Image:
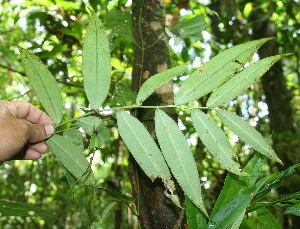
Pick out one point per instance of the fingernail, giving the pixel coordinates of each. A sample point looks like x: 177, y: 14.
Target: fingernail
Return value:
x: 49, y: 129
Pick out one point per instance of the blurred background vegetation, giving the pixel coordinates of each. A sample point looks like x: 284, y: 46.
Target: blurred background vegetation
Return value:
x: 54, y: 30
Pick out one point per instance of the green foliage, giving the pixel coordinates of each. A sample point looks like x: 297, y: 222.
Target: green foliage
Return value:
x: 224, y: 77
x: 247, y: 133
x: 173, y: 144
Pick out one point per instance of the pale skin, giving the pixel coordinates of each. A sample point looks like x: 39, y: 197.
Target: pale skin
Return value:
x: 23, y: 129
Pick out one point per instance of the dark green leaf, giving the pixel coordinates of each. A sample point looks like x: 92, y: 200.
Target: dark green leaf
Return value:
x: 195, y: 218
x: 267, y: 220
x: 192, y: 26
x: 234, y: 184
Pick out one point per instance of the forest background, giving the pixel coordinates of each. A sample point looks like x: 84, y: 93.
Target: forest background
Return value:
x: 54, y: 31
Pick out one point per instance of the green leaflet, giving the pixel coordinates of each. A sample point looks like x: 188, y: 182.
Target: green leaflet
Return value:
x: 179, y: 157
x: 231, y: 211
x: 247, y: 133
x: 241, y: 81
x: 71, y: 158
x: 215, y: 72
x: 44, y: 85
x: 237, y: 223
x: 157, y: 80
x: 192, y: 26
x: 96, y: 66
x: 233, y: 184
x: 143, y: 148
x: 195, y: 218
x: 267, y: 220
x: 215, y: 141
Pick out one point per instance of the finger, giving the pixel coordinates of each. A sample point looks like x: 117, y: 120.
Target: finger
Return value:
x: 32, y: 154
x: 29, y: 112
x: 40, y: 147
x: 39, y: 132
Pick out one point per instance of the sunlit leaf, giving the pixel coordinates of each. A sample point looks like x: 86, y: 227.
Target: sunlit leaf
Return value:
x: 216, y: 71
x: 195, y: 218
x: 192, y: 26
x: 96, y: 67
x: 241, y: 81
x: 44, y: 85
x: 230, y: 212
x: 71, y: 158
x: 233, y: 184
x: 237, y: 222
x: 143, y: 148
x: 179, y: 157
x: 215, y: 141
x: 247, y: 133
x: 9, y: 208
x: 267, y: 220
x: 108, y: 210
x: 156, y: 81
x: 89, y: 124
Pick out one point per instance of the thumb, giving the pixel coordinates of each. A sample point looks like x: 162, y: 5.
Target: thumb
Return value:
x: 39, y: 132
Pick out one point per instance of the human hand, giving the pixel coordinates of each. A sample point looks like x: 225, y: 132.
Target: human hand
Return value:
x: 23, y: 128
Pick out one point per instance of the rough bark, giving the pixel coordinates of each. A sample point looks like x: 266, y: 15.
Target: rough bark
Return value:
x: 151, y: 56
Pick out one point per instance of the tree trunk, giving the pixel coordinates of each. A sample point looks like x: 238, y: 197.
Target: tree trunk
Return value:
x: 151, y: 56
x: 278, y: 98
